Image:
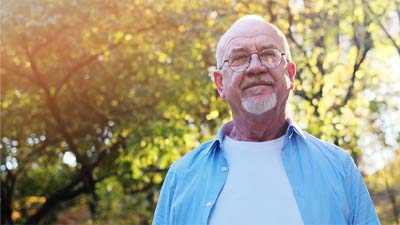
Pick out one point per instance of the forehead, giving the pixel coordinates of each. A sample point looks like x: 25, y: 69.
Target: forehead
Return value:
x: 252, y: 35
x: 249, y: 43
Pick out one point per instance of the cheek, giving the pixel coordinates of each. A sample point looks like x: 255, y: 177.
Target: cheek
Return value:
x: 233, y: 82
x: 284, y: 81
x: 288, y: 83
x: 284, y: 86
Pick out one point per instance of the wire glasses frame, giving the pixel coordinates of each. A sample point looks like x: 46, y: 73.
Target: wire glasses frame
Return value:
x: 239, y: 62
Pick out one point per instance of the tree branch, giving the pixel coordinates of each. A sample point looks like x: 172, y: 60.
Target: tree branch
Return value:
x: 363, y: 48
x: 80, y: 65
x: 54, y: 36
x: 72, y: 71
x: 7, y: 190
x: 380, y: 24
x: 19, y: 73
x: 121, y: 142
x: 62, y: 195
x: 298, y: 45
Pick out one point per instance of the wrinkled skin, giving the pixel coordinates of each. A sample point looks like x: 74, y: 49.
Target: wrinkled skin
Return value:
x: 265, y: 119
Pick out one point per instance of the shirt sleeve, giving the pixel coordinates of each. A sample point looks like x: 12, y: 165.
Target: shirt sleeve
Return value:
x: 362, y: 207
x: 162, y: 214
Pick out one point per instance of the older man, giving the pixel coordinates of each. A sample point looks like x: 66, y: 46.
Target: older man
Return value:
x: 261, y: 168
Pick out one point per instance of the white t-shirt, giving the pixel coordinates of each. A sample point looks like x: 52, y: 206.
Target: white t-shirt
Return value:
x: 257, y: 190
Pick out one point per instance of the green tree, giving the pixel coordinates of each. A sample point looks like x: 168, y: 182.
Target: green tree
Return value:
x: 98, y: 98
x: 385, y: 186
x: 105, y: 91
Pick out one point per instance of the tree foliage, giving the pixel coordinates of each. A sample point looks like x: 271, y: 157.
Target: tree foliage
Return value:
x: 98, y: 98
x: 385, y: 190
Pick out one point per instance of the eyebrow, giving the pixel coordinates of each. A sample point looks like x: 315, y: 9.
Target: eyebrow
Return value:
x: 262, y: 47
x: 268, y: 46
x: 237, y: 49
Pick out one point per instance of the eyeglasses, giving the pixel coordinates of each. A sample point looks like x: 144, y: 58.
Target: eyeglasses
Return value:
x: 240, y: 61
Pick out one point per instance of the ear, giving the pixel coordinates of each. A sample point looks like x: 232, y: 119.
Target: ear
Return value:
x: 292, y: 74
x: 218, y: 83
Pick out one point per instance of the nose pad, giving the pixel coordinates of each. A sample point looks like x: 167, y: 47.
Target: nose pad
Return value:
x: 255, y: 65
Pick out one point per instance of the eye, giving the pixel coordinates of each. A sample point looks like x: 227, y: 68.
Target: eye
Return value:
x: 269, y: 56
x: 268, y: 53
x: 238, y: 59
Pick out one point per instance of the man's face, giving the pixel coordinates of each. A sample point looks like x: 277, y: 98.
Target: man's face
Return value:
x: 257, y: 89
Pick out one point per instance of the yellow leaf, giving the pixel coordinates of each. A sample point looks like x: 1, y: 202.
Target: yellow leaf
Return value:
x: 118, y: 35
x: 128, y: 37
x: 125, y: 133
x: 212, y: 115
x: 5, y: 104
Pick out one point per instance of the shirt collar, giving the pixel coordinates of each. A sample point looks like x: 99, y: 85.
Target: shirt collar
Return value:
x: 293, y: 128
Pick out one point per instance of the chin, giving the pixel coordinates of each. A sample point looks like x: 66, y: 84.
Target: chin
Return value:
x: 259, y: 105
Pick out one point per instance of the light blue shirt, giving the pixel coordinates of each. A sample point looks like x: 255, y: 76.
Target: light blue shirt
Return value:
x: 326, y: 183
x: 257, y: 179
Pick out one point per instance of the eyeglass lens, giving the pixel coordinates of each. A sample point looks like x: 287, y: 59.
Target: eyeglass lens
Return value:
x: 240, y: 61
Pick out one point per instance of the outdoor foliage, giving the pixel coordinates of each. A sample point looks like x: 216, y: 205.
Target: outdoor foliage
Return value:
x: 98, y: 98
x: 385, y: 188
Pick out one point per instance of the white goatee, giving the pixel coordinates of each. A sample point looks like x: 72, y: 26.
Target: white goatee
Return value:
x: 258, y: 105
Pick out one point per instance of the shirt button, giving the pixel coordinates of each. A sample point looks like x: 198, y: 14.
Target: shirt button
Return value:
x: 224, y: 169
x: 209, y: 204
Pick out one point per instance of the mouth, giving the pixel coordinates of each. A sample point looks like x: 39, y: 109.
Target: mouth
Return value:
x: 258, y: 83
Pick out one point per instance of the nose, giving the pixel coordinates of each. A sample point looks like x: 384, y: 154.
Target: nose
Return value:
x: 255, y: 65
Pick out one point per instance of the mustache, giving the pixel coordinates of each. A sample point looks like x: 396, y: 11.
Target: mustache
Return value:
x: 248, y: 84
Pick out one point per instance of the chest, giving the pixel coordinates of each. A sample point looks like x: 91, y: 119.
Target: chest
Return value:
x: 320, y: 196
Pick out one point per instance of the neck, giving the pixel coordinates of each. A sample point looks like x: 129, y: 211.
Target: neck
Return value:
x: 265, y: 127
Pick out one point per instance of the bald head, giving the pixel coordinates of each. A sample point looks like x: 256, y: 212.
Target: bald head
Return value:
x: 247, y: 27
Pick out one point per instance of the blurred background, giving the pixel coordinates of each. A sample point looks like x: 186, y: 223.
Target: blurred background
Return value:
x: 99, y: 97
